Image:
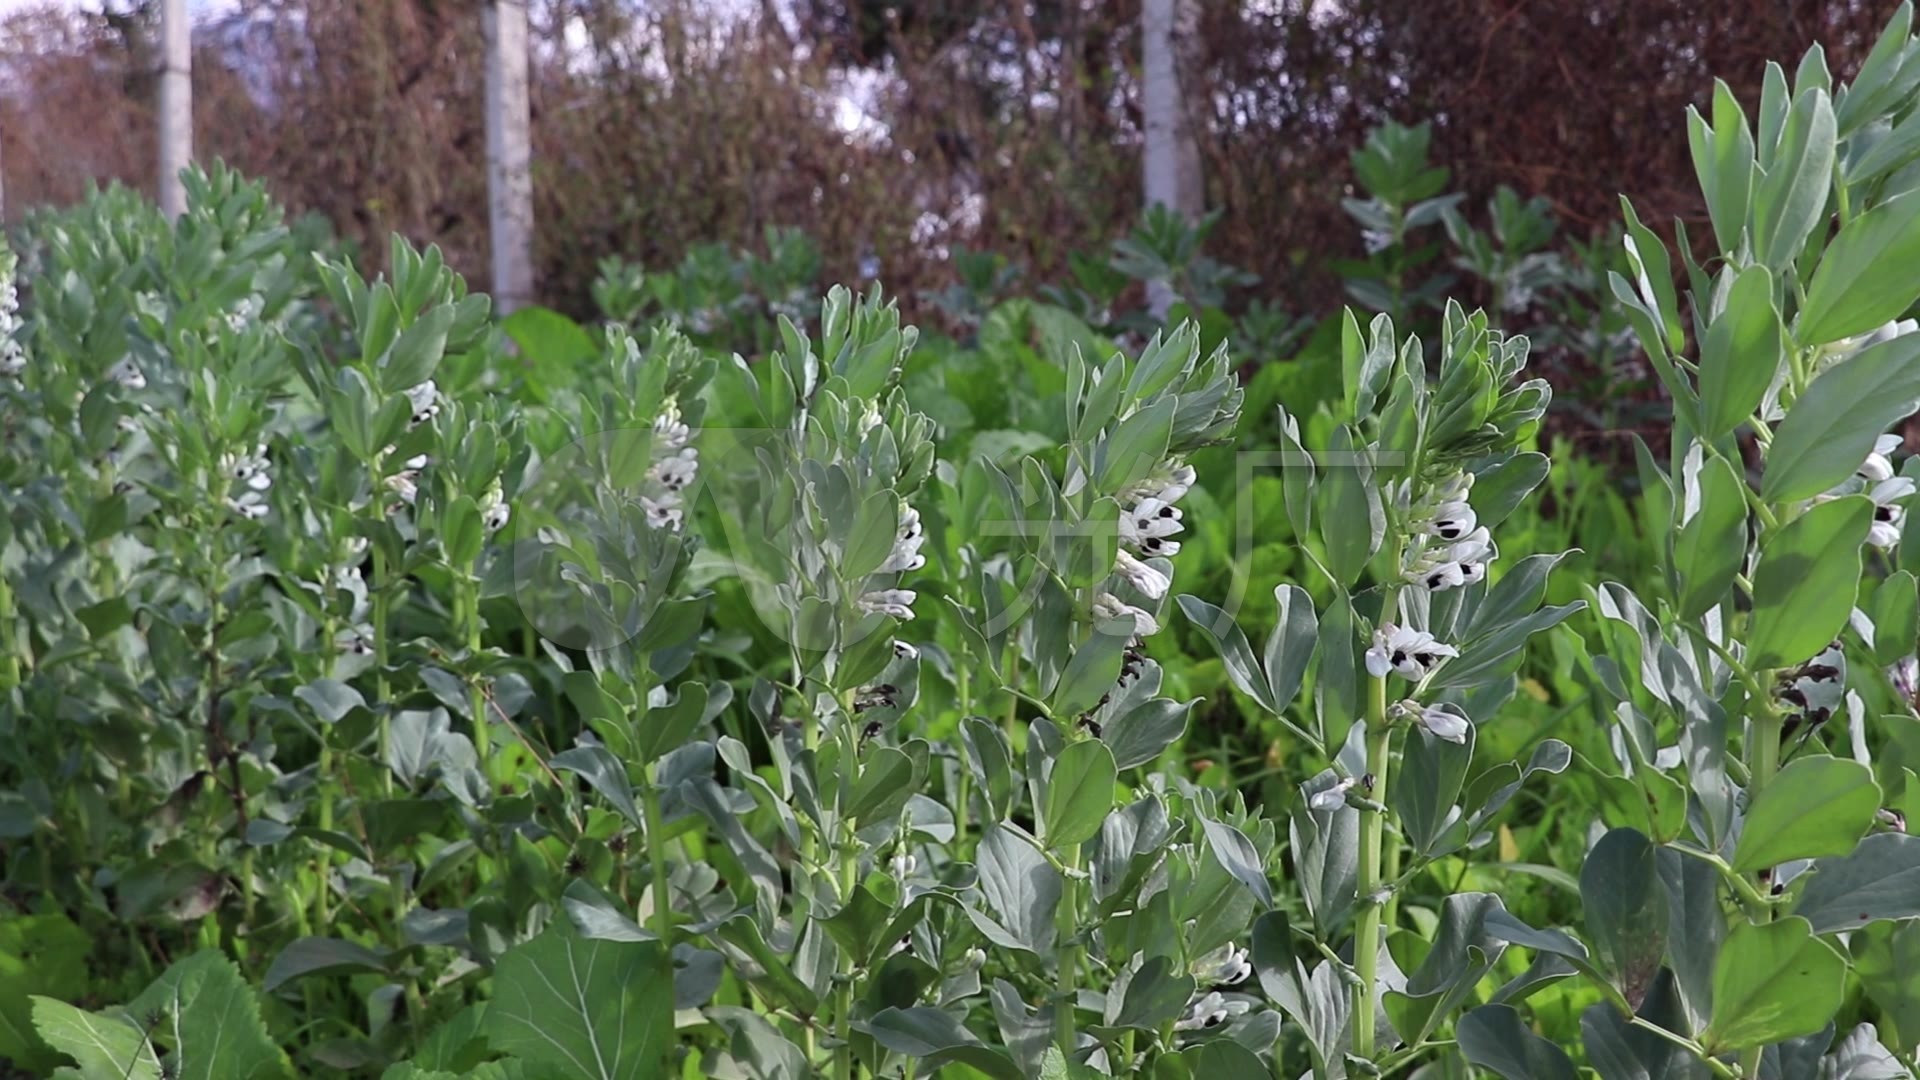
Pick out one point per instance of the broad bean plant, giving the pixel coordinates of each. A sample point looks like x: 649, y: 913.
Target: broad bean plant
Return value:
x: 390, y: 690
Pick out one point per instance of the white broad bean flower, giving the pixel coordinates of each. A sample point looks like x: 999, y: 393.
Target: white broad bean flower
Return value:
x: 1452, y: 521
x: 1109, y: 606
x: 1888, y: 514
x: 425, y: 402
x: 249, y: 469
x: 1411, y: 653
x: 903, y: 865
x: 1212, y: 1010
x: 664, y: 512
x: 1879, y: 463
x: 906, y: 650
x: 906, y: 544
x: 494, y: 511
x: 128, y: 374
x: 676, y: 473
x: 1462, y: 562
x: 250, y: 504
x: 1876, y: 479
x: 895, y: 602
x: 1445, y: 721
x: 1147, y: 526
x: 1334, y: 797
x: 1228, y: 965
x: 1167, y: 484
x: 406, y: 485
x: 669, y: 432
x: 13, y: 356
x: 1151, y: 583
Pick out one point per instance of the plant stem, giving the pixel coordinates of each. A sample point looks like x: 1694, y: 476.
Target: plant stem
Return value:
x: 843, y: 983
x: 1366, y: 940
x: 651, y: 817
x: 380, y: 613
x: 482, y: 737
x: 1066, y: 928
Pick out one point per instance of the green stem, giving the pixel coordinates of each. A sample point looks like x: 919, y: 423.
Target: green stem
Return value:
x: 656, y: 838
x: 1066, y: 929
x: 482, y: 735
x: 381, y: 602
x: 1366, y: 941
x: 843, y: 982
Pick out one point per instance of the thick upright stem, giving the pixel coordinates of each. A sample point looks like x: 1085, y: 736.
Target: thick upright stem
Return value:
x: 381, y: 599
x: 843, y: 983
x: 1066, y: 929
x: 653, y: 820
x: 482, y: 733
x: 1366, y: 939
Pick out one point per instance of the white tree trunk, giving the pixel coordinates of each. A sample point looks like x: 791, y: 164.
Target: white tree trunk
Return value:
x: 509, y: 154
x: 176, y: 105
x: 1171, y: 155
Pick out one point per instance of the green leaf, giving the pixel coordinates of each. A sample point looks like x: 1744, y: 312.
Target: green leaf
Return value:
x: 870, y: 538
x: 320, y: 956
x: 39, y: 955
x: 105, y: 1046
x: 461, y: 533
x: 1740, y: 354
x: 1146, y: 998
x: 1896, y: 618
x: 1291, y: 645
x: 1723, y: 161
x: 1815, y: 807
x: 1021, y: 890
x: 1867, y: 276
x: 1886, y: 960
x: 1626, y: 909
x: 1093, y: 670
x: 1647, y: 255
x: 587, y: 1010
x: 1079, y: 794
x: 1709, y: 548
x: 1831, y: 428
x: 1803, y: 591
x: 935, y: 1037
x: 1772, y: 982
x: 1141, y: 734
x: 417, y: 351
x: 1238, y: 857
x: 1223, y: 1059
x: 886, y: 775
x: 1791, y: 195
x: 212, y: 1020
x: 553, y: 344
x: 330, y: 699
x: 1429, y: 782
x: 1235, y: 654
x: 605, y: 773
x: 1137, y: 445
x: 666, y: 728
x: 1878, y: 880
x: 1494, y: 1037
x: 1352, y: 522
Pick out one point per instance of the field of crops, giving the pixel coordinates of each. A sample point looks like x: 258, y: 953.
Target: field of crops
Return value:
x: 741, y: 683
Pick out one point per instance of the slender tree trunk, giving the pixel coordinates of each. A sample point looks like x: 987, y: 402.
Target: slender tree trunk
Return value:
x: 509, y: 155
x: 1171, y: 155
x: 176, y: 105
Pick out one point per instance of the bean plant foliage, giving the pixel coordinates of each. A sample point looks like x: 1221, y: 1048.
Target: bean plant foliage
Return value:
x: 390, y: 689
